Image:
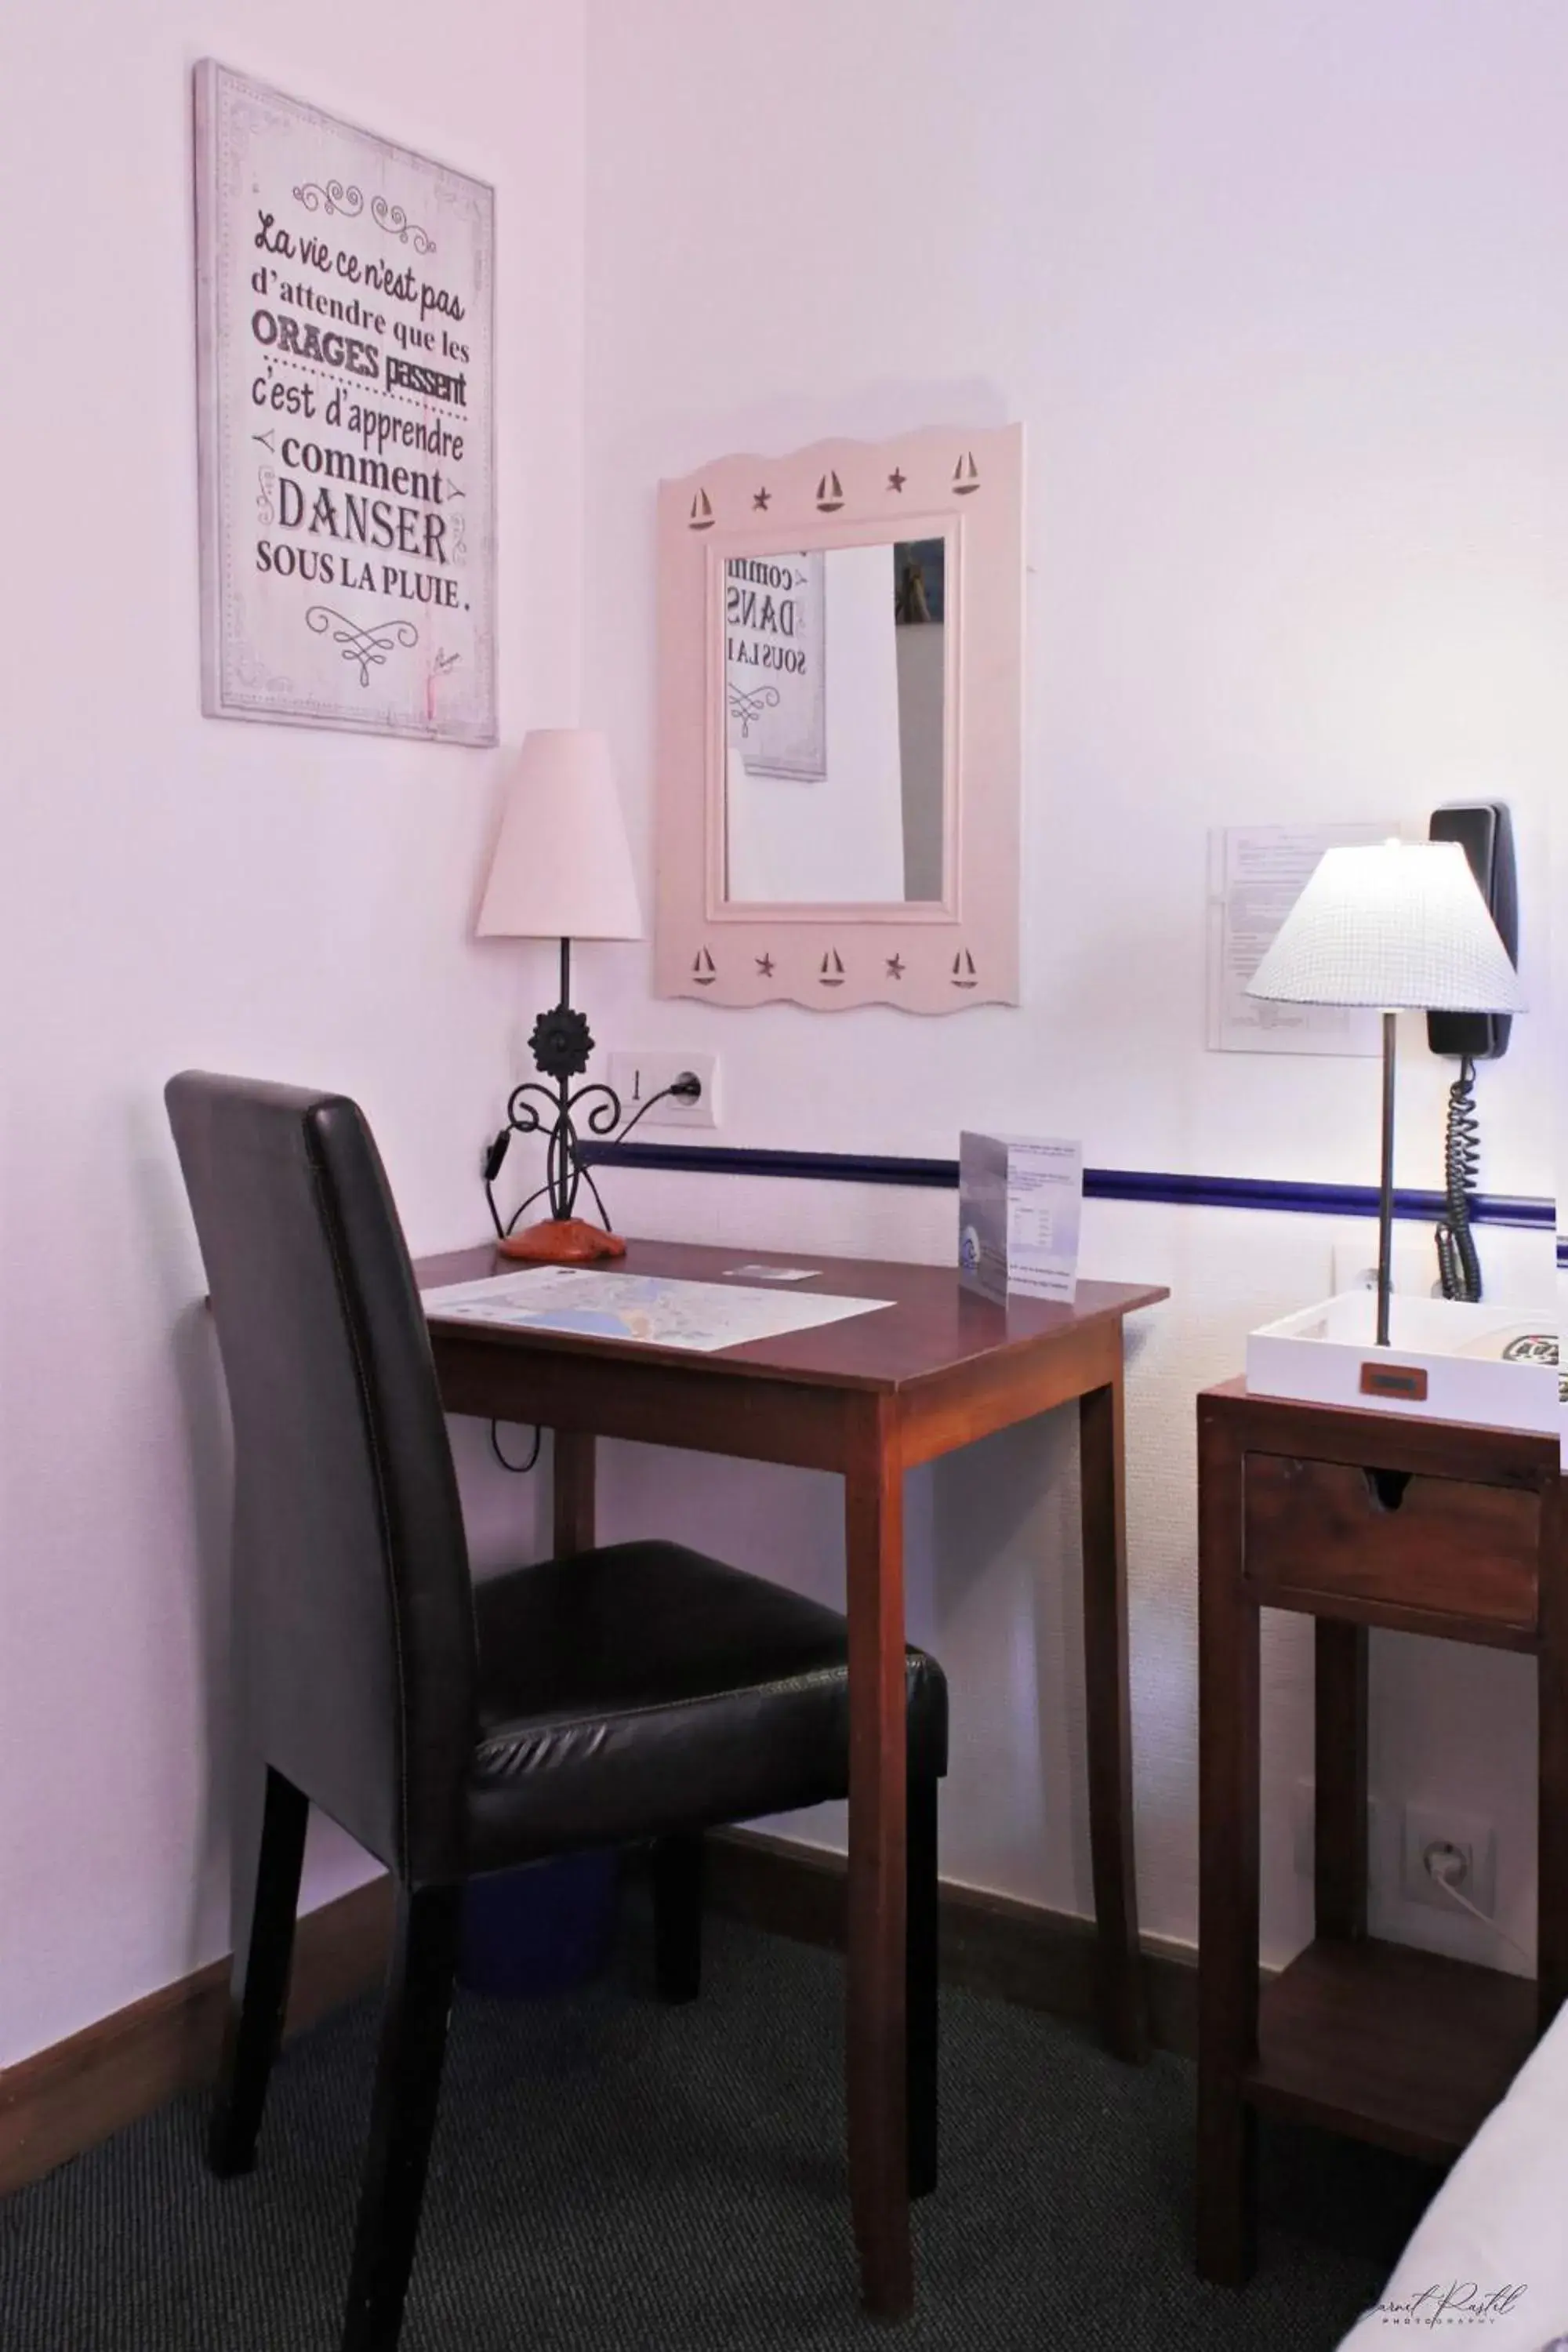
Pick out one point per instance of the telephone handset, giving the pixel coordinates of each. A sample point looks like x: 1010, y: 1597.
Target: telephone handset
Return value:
x: 1484, y: 830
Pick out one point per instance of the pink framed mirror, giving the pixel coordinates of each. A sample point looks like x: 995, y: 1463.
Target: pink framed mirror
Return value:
x: 840, y: 725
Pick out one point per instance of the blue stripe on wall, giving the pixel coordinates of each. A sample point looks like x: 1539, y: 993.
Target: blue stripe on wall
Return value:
x: 1099, y: 1183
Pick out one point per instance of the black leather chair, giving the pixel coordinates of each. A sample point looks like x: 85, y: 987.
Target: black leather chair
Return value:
x: 638, y: 1692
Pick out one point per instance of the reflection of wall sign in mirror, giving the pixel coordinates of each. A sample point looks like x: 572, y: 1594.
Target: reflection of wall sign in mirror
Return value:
x: 345, y: 328
x: 774, y: 652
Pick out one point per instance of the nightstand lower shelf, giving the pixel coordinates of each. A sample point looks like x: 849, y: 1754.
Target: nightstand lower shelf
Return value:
x: 1390, y: 2044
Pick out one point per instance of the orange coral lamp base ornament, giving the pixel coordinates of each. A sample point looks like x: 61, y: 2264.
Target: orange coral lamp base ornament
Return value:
x: 562, y: 1241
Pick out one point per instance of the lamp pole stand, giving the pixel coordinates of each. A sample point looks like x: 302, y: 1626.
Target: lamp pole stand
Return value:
x: 1385, y: 1194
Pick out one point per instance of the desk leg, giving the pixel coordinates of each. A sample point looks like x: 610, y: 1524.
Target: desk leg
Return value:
x: 878, y: 2125
x: 573, y: 1477
x: 1123, y: 2015
x: 1227, y: 1863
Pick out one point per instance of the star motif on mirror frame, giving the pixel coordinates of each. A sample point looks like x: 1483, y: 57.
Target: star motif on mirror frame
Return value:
x: 897, y: 479
x: 895, y: 967
x: 765, y: 966
x: 760, y: 500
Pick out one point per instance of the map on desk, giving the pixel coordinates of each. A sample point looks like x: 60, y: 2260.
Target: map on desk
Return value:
x: 652, y: 1309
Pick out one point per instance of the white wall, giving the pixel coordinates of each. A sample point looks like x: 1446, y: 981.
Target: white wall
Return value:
x: 1273, y: 290
x: 175, y: 890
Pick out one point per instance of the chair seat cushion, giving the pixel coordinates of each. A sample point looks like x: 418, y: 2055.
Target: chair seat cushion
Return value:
x: 643, y: 1688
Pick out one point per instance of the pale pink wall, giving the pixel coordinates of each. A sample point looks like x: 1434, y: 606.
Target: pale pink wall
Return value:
x: 175, y: 890
x: 1276, y: 291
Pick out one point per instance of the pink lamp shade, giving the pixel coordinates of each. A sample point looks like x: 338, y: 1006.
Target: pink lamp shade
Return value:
x: 562, y: 867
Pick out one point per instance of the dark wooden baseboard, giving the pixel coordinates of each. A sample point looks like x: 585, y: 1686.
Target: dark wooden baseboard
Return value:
x: 70, y: 2097
x: 1019, y: 1952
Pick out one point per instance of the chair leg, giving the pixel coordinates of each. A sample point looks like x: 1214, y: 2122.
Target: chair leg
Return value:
x: 267, y: 1894
x: 403, y: 2113
x: 920, y: 1990
x: 677, y: 1864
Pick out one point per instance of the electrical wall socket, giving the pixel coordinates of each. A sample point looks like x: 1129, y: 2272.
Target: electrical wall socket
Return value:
x: 637, y: 1078
x: 1429, y: 1825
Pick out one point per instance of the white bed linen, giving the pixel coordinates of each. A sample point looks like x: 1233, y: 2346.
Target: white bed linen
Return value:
x: 1497, y: 2228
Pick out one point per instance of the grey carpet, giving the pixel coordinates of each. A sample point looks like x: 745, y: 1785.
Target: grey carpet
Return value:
x: 613, y: 2175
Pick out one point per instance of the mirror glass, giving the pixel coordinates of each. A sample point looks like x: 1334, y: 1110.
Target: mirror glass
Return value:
x: 835, y: 669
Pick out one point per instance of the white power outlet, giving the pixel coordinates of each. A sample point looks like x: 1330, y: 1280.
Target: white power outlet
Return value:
x: 638, y: 1077
x: 1471, y: 1837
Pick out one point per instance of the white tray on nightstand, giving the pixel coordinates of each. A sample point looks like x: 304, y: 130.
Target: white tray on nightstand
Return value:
x: 1446, y: 1359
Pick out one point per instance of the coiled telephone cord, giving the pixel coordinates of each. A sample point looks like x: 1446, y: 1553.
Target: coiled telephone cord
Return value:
x: 1459, y: 1263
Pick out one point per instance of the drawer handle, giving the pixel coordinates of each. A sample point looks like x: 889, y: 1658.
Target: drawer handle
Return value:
x: 1386, y: 1487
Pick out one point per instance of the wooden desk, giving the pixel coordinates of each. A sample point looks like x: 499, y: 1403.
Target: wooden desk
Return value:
x: 869, y: 1398
x: 1359, y: 1517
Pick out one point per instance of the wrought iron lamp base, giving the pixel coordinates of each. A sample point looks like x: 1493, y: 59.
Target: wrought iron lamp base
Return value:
x: 562, y: 1044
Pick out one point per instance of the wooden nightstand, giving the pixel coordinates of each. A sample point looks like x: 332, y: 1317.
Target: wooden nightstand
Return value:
x: 1359, y: 1517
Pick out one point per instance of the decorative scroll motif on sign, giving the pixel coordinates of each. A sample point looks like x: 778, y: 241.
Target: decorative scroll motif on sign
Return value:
x: 748, y: 707
x: 331, y: 197
x: 368, y: 647
x: 335, y: 196
x: 396, y: 223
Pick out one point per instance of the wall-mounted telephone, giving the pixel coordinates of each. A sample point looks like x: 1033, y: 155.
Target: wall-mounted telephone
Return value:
x: 1484, y: 830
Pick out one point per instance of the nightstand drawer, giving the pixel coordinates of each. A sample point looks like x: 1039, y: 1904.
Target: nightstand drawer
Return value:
x: 1448, y: 1546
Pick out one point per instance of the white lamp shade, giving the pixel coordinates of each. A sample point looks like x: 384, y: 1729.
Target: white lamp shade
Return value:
x: 562, y: 867
x: 1396, y: 925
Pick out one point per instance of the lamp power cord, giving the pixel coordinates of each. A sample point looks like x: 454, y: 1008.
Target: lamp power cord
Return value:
x: 1445, y: 1867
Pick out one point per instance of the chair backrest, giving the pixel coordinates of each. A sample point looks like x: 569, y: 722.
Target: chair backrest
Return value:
x: 353, y: 1621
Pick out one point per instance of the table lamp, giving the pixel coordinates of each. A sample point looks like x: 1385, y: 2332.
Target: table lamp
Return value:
x: 562, y: 869
x: 1398, y: 925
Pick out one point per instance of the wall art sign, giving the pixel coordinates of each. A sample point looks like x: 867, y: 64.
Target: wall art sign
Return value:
x: 345, y: 332
x: 774, y: 635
